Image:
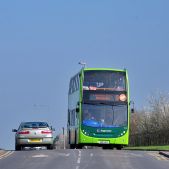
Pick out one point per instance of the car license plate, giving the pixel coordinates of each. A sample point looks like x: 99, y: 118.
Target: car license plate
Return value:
x: 104, y: 142
x: 35, y: 140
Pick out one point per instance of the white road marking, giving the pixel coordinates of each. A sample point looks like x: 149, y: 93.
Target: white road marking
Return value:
x: 44, y: 156
x: 67, y: 155
x: 91, y: 154
x: 64, y: 154
x: 79, y: 159
x: 40, y: 156
x: 158, y: 156
x: 7, y: 154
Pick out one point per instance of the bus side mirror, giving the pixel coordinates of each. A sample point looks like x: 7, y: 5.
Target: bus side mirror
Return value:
x: 132, y: 104
x: 77, y: 109
x: 132, y: 110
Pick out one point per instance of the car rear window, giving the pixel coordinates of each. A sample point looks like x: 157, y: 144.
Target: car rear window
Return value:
x: 34, y: 125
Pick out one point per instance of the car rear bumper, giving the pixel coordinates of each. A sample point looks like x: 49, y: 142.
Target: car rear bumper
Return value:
x: 34, y: 141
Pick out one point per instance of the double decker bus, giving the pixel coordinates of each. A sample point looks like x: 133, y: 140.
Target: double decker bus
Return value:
x: 98, y: 108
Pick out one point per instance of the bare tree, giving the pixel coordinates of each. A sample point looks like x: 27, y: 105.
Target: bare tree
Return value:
x: 151, y: 126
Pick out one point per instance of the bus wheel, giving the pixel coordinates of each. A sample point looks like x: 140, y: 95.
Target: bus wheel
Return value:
x: 108, y: 147
x: 119, y: 147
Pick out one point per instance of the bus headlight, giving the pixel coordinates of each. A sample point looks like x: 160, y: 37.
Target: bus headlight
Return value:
x: 122, y: 97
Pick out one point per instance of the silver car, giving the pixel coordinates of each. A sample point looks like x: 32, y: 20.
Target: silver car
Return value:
x: 33, y: 134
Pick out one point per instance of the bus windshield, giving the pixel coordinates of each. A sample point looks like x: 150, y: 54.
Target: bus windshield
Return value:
x: 99, y: 115
x: 110, y: 80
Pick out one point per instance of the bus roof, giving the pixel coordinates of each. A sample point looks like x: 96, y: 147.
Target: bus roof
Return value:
x: 109, y: 69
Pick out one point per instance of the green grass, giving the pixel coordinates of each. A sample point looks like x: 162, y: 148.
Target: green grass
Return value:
x: 153, y: 148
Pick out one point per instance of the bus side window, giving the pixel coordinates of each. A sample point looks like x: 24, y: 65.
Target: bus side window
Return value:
x: 68, y: 117
x: 73, y: 118
x: 70, y: 87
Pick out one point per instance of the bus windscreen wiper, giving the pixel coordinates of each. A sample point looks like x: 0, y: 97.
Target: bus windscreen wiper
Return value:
x: 105, y: 103
x: 99, y: 103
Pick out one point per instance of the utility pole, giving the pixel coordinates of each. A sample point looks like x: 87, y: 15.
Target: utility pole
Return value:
x: 63, y: 137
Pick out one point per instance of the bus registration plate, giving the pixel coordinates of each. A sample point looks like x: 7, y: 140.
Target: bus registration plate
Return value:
x: 104, y: 142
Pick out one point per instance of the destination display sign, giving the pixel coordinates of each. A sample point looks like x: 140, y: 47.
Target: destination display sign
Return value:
x: 107, y: 97
x: 103, y: 97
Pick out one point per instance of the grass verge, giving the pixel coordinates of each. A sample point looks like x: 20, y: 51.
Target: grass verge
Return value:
x: 151, y: 148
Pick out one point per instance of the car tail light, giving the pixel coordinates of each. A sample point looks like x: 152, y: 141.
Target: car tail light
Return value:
x: 23, y: 132
x: 46, y: 132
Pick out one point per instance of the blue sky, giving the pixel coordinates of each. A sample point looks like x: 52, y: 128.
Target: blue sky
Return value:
x: 41, y: 43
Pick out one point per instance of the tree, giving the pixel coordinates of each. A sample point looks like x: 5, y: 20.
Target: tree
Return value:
x: 151, y: 126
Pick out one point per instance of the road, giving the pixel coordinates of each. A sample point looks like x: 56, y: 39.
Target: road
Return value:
x: 83, y: 159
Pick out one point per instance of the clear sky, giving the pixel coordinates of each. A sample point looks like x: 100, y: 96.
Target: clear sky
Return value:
x: 41, y: 43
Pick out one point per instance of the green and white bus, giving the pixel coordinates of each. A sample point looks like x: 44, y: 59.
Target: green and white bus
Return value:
x: 98, y: 108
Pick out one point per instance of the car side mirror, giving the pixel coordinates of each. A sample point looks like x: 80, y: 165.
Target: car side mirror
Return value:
x: 14, y: 130
x: 53, y: 129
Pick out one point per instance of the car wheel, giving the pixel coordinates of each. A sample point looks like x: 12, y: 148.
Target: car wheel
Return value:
x: 18, y: 148
x: 50, y: 147
x: 72, y: 146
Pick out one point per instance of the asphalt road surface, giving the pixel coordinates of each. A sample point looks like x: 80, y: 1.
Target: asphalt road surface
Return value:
x: 83, y: 159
